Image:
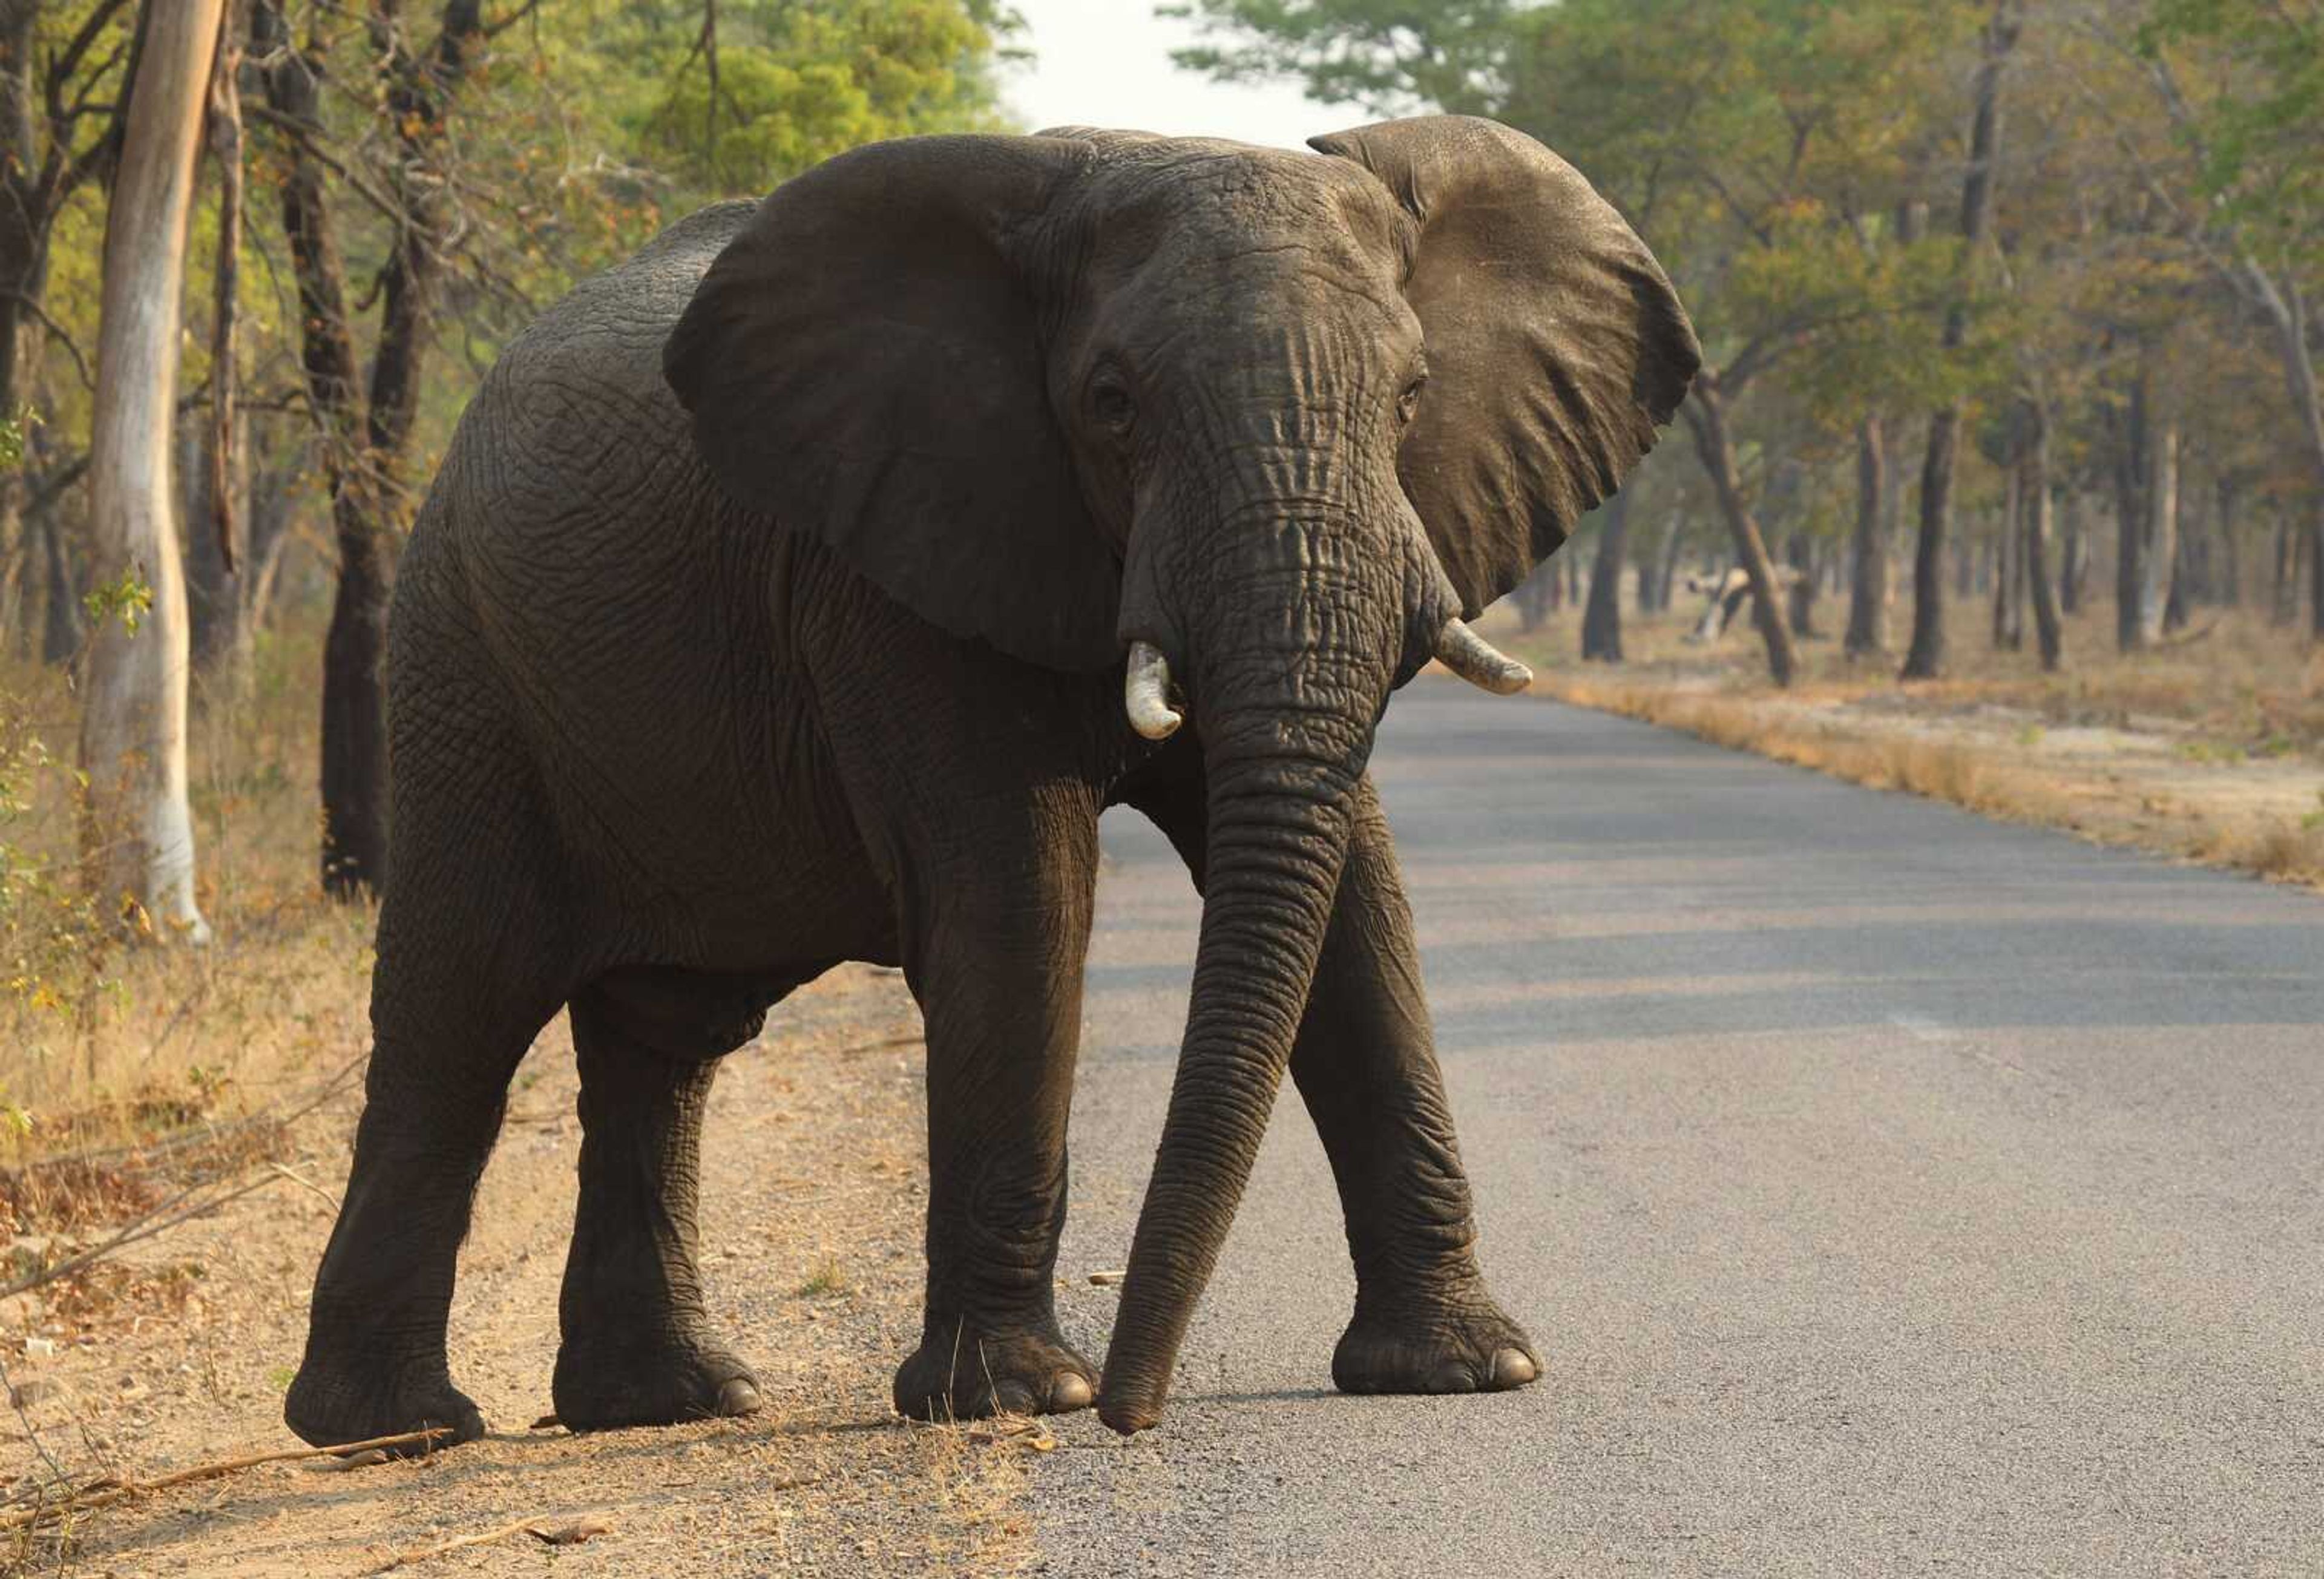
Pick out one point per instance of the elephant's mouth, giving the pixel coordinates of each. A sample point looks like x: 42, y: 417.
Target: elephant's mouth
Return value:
x: 1146, y: 682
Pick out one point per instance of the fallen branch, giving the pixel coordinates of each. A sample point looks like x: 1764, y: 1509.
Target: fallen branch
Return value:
x: 571, y: 1533
x: 195, y: 1136
x: 104, y: 1492
x: 144, y: 1227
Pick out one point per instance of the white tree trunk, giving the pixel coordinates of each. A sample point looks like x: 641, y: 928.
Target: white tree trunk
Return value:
x: 137, y: 829
x: 2161, y: 531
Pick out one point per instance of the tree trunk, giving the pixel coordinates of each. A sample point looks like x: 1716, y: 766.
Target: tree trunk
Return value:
x: 2285, y: 587
x: 23, y: 262
x: 1706, y: 415
x: 2230, y: 587
x: 2161, y: 545
x: 1926, y: 658
x: 2130, y: 515
x: 1667, y: 560
x: 2008, y: 603
x: 1799, y: 552
x: 1602, y: 617
x: 366, y: 447
x: 1867, y: 590
x: 137, y: 826
x: 2316, y: 571
x: 2287, y: 310
x: 365, y: 455
x: 61, y: 630
x: 1531, y: 596
x: 2073, y: 557
x: 2034, y: 502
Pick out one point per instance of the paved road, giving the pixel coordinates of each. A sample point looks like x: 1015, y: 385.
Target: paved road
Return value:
x: 1889, y: 1191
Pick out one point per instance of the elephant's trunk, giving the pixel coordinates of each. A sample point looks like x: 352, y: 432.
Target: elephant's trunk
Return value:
x: 1287, y: 726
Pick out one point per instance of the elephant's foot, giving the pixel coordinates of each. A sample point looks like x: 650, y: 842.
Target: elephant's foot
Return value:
x: 959, y: 1374
x: 1433, y: 1345
x: 601, y: 1385
x: 332, y: 1404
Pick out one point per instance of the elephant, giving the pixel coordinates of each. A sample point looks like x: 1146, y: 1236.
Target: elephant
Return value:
x: 1724, y: 595
x: 801, y: 590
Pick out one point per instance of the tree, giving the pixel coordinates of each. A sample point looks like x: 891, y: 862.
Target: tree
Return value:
x: 1926, y: 658
x: 60, y: 79
x: 1602, y: 616
x: 137, y: 824
x: 2253, y: 135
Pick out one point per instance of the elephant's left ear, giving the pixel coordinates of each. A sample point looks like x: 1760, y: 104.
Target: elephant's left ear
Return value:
x: 864, y: 364
x: 1556, y: 346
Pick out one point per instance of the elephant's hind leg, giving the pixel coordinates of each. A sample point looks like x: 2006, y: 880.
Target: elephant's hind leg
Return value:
x: 637, y: 1349
x: 475, y: 951
x: 460, y: 991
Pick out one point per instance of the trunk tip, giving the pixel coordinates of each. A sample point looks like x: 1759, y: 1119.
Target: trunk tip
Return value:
x: 1127, y: 1417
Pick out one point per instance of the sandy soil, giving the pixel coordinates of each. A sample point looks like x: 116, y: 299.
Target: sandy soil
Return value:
x: 813, y: 1197
x: 2211, y: 749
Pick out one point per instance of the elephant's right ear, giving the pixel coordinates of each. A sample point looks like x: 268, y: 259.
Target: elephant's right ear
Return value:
x: 865, y: 363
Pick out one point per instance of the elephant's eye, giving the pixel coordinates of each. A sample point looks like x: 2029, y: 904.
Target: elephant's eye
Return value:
x: 1111, y: 404
x: 1408, y: 404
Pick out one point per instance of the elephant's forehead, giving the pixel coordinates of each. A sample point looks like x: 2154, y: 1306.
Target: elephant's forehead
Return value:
x: 1197, y: 202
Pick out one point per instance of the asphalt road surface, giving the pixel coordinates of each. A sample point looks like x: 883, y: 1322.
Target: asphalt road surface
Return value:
x: 1888, y: 1191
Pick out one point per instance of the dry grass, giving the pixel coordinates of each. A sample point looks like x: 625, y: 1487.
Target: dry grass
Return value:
x: 109, y: 1042
x: 2211, y: 749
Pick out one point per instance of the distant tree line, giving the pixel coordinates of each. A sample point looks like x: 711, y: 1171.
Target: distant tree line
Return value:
x: 2033, y: 266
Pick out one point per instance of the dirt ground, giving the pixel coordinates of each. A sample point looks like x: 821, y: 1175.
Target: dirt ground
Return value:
x: 812, y: 1202
x: 2211, y: 749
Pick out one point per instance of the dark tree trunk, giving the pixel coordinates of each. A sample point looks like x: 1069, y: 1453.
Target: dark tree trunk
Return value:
x: 367, y: 446
x: 2072, y: 557
x: 1867, y: 590
x: 1665, y: 565
x: 2316, y: 571
x: 1532, y: 598
x: 1706, y: 415
x: 1926, y: 658
x: 2283, y: 558
x: 1601, y: 618
x: 2229, y: 589
x: 2008, y: 584
x: 354, y: 802
x: 61, y: 632
x: 2130, y: 516
x: 1799, y: 551
x: 2034, y: 499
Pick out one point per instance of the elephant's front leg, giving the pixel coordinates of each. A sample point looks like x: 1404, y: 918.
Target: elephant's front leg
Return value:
x: 995, y: 958
x: 638, y: 1349
x: 1365, y: 1063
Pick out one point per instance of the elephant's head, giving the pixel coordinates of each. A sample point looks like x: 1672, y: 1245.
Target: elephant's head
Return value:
x: 1269, y: 423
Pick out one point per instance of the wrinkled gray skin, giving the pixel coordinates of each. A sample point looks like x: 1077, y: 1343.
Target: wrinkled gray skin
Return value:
x: 774, y: 617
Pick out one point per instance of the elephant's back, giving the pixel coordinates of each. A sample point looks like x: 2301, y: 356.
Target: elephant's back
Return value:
x: 575, y: 565
x: 575, y: 462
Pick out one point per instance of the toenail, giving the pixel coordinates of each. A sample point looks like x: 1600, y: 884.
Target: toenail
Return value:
x: 740, y: 1396
x: 1069, y: 1390
x: 1513, y: 1367
x: 1452, y: 1376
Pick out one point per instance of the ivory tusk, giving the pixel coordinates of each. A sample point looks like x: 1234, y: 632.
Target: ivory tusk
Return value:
x: 1479, y: 661
x: 1146, y: 693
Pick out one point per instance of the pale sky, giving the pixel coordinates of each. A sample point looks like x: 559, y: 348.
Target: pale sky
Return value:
x: 1107, y: 63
